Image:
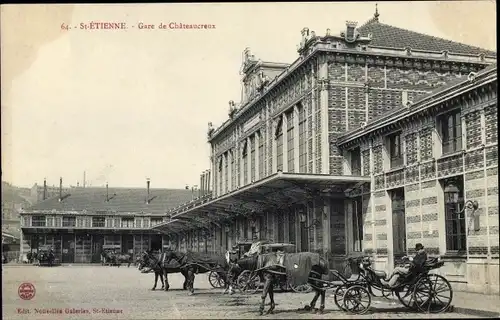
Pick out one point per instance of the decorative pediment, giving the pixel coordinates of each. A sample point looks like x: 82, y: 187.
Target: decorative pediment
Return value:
x: 249, y: 60
x: 210, y: 130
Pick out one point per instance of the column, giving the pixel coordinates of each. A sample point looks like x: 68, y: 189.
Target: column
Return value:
x: 230, y: 156
x: 323, y: 105
x: 223, y: 174
x: 296, y: 148
x: 257, y: 140
x: 284, y: 128
x: 327, y: 243
x: 273, y: 142
x: 313, y: 119
x: 249, y: 155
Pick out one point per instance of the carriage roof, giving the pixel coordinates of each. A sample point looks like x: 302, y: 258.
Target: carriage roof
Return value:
x: 278, y: 245
x: 111, y: 246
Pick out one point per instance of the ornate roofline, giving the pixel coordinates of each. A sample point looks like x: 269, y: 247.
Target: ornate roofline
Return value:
x: 402, y: 53
x: 473, y: 81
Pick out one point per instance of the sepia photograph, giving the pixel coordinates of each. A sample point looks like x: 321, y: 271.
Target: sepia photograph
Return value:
x: 288, y: 160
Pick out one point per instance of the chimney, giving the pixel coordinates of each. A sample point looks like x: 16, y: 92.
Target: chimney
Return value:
x: 107, y: 193
x: 209, y: 180
x: 148, y: 182
x: 44, y: 188
x: 202, y: 186
x: 60, y: 188
x: 84, y: 179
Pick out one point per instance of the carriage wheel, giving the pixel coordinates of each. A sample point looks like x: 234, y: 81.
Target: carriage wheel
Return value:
x: 433, y: 294
x: 216, y: 281
x: 338, y: 297
x: 301, y: 288
x: 405, y: 296
x: 281, y: 284
x: 248, y: 282
x: 357, y: 300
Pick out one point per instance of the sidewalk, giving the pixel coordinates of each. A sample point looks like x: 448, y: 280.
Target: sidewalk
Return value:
x: 470, y: 303
x: 476, y: 304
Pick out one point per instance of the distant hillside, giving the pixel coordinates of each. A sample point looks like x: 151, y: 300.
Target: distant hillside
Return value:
x: 13, y: 199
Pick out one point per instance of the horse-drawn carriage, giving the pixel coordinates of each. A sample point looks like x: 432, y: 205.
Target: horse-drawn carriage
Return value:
x: 238, y: 250
x: 249, y: 281
x: 419, y: 289
x: 109, y: 253
x: 46, y: 256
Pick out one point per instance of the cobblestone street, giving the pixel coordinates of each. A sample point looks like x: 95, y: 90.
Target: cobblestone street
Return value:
x: 126, y: 292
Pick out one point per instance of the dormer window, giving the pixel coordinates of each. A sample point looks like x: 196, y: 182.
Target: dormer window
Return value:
x: 356, y: 162
x: 350, y: 32
x: 395, y: 150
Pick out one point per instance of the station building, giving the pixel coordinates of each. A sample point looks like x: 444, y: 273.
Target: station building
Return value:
x: 77, y: 222
x: 374, y: 139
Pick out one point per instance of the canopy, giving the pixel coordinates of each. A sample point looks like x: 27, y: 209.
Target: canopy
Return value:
x: 279, y: 190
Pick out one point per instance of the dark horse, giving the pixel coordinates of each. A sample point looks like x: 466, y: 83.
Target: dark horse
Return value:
x: 46, y: 257
x: 157, y: 263
x: 300, y: 268
x: 191, y: 263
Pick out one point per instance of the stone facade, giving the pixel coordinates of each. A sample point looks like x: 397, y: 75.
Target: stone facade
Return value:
x: 424, y: 173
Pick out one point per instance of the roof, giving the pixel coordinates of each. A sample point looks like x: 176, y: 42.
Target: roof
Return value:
x: 438, y: 95
x: 384, y: 35
x: 277, y: 190
x: 120, y: 200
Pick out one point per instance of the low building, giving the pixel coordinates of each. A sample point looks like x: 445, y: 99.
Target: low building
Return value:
x: 77, y: 223
x: 313, y: 154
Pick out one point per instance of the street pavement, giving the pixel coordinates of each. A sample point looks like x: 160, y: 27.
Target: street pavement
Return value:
x: 95, y: 292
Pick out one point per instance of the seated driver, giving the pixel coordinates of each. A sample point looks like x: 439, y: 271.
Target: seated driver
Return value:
x: 416, y: 262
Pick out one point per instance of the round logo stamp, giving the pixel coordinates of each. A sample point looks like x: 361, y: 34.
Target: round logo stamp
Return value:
x: 26, y: 291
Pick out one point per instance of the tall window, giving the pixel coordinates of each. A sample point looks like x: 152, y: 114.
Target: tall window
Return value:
x: 219, y: 174
x: 98, y: 222
x: 261, y: 156
x: 357, y: 224
x: 38, y: 221
x: 395, y: 150
x: 302, y: 140
x: 252, y: 158
x: 69, y: 222
x: 245, y: 163
x: 279, y: 145
x: 356, y: 162
x: 226, y: 172
x: 155, y: 221
x: 127, y: 222
x: 451, y: 131
x: 456, y: 233
x: 233, y: 171
x: 290, y: 142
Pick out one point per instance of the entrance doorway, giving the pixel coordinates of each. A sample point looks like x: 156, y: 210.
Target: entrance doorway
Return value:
x: 97, y: 243
x: 156, y: 242
x: 68, y: 248
x: 398, y: 223
x: 128, y: 243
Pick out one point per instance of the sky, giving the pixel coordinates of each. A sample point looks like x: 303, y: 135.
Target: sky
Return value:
x: 126, y: 105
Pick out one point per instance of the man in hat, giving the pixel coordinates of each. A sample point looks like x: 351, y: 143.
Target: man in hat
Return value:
x: 416, y: 262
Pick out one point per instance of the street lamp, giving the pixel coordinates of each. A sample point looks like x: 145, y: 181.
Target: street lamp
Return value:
x: 451, y: 194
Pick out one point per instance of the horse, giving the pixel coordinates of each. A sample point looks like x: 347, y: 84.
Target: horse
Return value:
x: 193, y: 262
x: 158, y: 264
x: 123, y: 258
x: 302, y: 267
x: 29, y: 257
x: 48, y: 257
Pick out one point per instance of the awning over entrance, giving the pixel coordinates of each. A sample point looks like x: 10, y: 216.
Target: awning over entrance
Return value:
x: 277, y: 191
